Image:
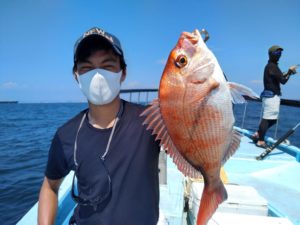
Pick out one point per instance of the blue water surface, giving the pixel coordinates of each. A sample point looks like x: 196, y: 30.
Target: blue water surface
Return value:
x: 26, y: 131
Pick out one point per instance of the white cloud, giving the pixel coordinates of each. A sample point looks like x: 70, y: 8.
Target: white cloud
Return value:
x: 9, y: 85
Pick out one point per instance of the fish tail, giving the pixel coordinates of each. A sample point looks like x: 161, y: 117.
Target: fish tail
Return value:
x: 210, y: 201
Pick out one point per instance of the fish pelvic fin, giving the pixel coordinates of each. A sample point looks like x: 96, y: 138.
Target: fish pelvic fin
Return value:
x: 238, y: 90
x: 210, y: 200
x: 155, y: 122
x: 234, y: 145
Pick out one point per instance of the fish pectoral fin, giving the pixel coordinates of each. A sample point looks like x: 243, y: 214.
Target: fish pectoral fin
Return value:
x: 156, y: 123
x: 212, y: 83
x: 238, y: 90
x: 234, y: 145
x: 208, y: 85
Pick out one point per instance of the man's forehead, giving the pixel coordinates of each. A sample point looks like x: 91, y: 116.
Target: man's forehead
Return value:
x: 105, y: 53
x: 102, y: 55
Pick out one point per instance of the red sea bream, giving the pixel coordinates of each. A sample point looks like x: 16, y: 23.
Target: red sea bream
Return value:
x: 193, y: 117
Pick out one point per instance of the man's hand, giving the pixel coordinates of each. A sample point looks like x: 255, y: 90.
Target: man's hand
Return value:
x: 292, y: 69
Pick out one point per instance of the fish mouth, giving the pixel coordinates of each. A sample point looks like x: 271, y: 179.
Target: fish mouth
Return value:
x: 195, y: 48
x: 196, y: 35
x: 192, y: 37
x: 193, y: 42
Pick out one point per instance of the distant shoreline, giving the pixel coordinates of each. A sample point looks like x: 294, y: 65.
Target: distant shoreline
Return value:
x: 9, y: 102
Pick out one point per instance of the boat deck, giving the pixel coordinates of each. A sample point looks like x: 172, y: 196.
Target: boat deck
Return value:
x: 276, y: 178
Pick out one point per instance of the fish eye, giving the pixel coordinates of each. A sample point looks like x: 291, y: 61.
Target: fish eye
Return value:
x: 181, y: 61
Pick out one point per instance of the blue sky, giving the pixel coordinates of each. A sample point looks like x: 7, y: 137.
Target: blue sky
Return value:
x: 37, y: 39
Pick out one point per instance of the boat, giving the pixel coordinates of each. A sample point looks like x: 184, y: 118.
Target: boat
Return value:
x: 259, y: 191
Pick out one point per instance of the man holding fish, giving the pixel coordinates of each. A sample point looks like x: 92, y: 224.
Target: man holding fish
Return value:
x: 115, y: 158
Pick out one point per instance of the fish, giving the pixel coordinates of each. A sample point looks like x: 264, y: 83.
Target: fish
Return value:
x: 193, y: 117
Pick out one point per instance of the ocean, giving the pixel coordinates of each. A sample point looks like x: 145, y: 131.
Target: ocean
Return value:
x: 26, y: 131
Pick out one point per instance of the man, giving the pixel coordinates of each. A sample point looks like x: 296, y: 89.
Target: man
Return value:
x: 114, y: 158
x: 273, y: 77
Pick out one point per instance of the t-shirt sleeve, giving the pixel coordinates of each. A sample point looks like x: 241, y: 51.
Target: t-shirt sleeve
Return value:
x: 57, y: 166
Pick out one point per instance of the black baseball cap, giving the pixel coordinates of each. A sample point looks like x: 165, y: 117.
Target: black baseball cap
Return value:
x: 275, y: 48
x: 95, y: 31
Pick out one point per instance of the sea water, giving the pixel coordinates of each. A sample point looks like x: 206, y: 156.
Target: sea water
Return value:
x: 26, y: 131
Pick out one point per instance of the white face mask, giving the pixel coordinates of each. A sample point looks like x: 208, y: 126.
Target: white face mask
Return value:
x: 100, y: 86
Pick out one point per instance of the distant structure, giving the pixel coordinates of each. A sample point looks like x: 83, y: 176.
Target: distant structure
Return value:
x: 8, y: 102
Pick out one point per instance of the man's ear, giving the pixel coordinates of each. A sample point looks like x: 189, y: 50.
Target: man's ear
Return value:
x: 124, y: 72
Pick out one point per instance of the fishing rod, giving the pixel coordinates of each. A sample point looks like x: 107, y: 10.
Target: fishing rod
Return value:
x: 281, y: 139
x: 295, y: 67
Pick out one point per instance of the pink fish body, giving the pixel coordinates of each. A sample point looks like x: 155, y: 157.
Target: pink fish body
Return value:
x: 193, y: 117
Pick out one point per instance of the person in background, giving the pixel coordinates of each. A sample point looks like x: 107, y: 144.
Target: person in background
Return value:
x: 273, y: 77
x: 114, y: 157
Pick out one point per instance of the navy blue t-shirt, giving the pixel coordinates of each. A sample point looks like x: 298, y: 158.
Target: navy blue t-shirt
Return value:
x: 132, y: 162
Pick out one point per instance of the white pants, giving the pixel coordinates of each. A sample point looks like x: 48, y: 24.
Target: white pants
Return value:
x: 271, y: 107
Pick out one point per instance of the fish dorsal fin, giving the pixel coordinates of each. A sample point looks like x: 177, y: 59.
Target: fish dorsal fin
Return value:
x: 237, y: 92
x: 155, y: 122
x: 235, y: 143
